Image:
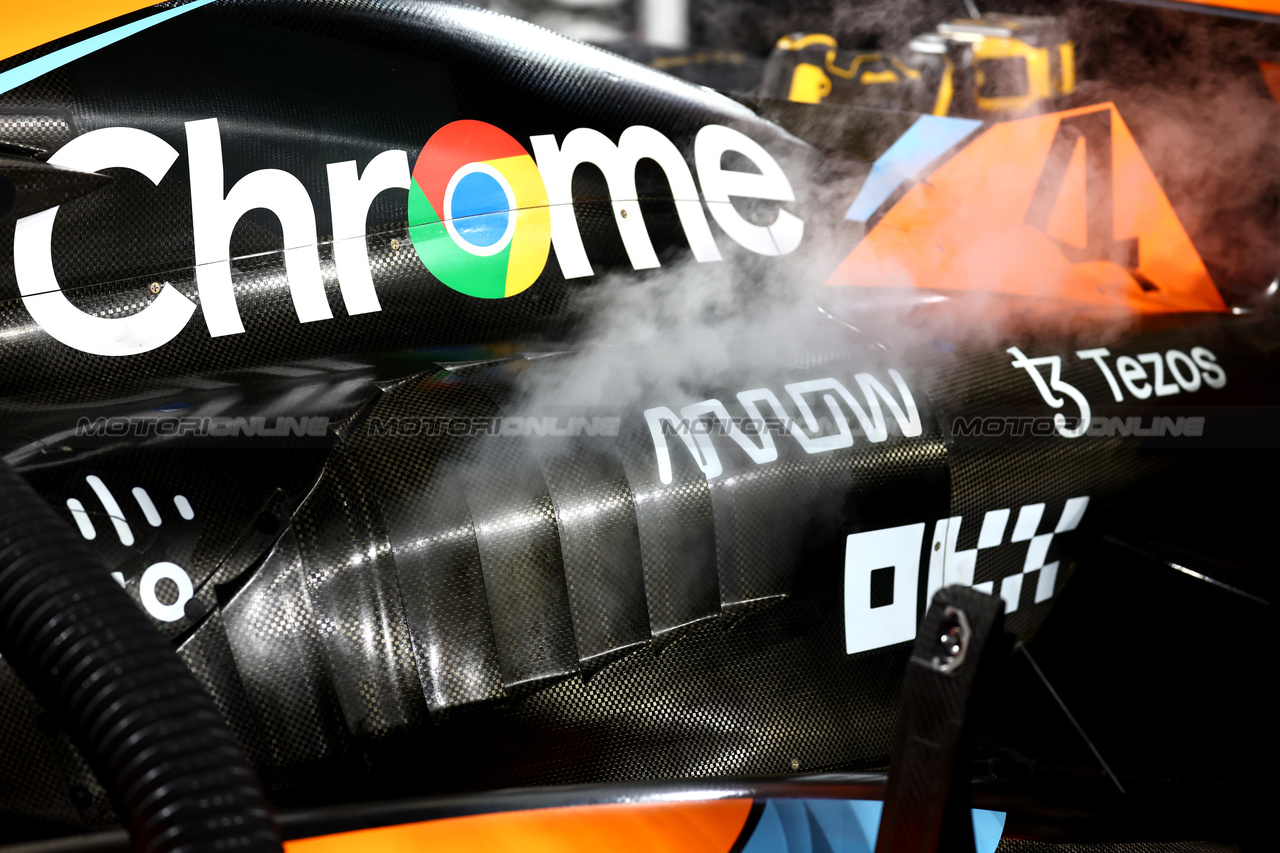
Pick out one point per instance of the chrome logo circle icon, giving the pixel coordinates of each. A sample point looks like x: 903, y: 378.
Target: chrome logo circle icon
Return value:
x: 478, y: 213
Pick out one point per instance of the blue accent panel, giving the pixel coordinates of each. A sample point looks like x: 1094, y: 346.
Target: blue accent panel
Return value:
x: 29, y: 71
x: 480, y: 209
x: 988, y: 826
x: 842, y: 826
x: 926, y: 140
x: 795, y: 824
x: 767, y: 837
x: 849, y: 825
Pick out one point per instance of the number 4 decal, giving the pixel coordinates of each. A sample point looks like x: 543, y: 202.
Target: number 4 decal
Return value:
x: 998, y: 204
x: 1093, y: 130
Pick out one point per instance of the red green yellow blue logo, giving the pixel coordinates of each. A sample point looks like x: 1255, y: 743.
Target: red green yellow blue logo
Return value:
x: 478, y: 214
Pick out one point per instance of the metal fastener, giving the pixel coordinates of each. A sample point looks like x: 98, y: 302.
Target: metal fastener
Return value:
x: 395, y: 245
x: 156, y: 287
x: 624, y: 213
x: 795, y: 764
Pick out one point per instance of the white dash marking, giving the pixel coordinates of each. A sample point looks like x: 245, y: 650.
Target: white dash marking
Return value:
x: 184, y: 507
x: 148, y: 508
x: 87, y: 530
x: 113, y: 509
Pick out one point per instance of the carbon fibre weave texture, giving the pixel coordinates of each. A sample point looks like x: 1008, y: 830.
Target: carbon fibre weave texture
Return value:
x: 320, y: 90
x: 34, y: 132
x: 611, y: 694
x: 1012, y: 472
x: 1027, y: 845
x: 349, y: 662
x: 355, y: 599
x: 279, y: 653
x: 226, y: 513
x: 435, y: 608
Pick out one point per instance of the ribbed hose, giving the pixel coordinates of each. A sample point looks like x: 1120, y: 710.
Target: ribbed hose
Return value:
x: 149, y: 731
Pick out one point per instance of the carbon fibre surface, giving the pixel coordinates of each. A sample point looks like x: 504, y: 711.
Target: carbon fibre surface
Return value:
x: 328, y: 84
x: 1027, y: 845
x: 446, y: 610
x: 377, y: 633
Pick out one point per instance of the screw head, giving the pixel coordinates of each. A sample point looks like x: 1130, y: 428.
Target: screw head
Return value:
x: 795, y: 764
x: 156, y: 287
x: 624, y: 213
x: 952, y: 641
x: 395, y: 245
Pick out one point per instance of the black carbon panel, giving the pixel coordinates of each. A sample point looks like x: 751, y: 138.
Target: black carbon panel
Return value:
x: 355, y: 599
x: 1028, y: 845
x: 40, y: 792
x: 281, y: 660
x: 519, y: 541
x: 37, y: 133
x: 431, y: 534
x: 438, y: 563
x: 595, y: 513
x: 764, y: 513
x: 224, y: 510
x: 37, y: 186
x: 775, y: 686
x: 599, y: 542
x: 316, y: 94
x: 520, y: 555
x: 1009, y: 472
x: 208, y: 655
x: 677, y: 534
x: 46, y: 91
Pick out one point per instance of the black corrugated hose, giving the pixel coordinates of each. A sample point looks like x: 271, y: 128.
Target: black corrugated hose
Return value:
x: 149, y: 731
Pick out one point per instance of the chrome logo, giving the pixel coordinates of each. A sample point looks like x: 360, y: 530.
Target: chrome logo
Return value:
x: 478, y: 214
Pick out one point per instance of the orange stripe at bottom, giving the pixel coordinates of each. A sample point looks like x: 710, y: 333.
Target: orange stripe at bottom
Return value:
x: 708, y: 826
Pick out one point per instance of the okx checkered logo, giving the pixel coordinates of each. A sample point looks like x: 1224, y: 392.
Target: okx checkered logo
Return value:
x: 882, y: 567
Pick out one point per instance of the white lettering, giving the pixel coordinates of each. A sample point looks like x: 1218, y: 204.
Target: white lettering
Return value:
x: 147, y: 591
x: 618, y: 163
x: 1213, y: 374
x: 153, y: 326
x: 1163, y: 389
x: 350, y: 195
x: 214, y: 217
x: 695, y: 431
x: 771, y: 184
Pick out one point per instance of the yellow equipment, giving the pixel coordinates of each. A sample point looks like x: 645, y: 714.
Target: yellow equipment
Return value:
x: 994, y: 65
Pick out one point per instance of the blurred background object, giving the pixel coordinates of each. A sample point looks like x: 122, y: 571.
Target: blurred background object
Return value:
x: 1191, y: 81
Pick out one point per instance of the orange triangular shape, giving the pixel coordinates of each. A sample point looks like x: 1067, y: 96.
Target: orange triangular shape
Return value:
x: 968, y: 227
x: 1271, y: 76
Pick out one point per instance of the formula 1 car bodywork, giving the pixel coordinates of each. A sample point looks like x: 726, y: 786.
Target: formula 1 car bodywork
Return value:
x: 472, y: 408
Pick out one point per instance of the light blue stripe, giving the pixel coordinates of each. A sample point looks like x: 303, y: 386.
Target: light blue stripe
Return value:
x: 27, y: 72
x: 843, y: 826
x: 923, y: 143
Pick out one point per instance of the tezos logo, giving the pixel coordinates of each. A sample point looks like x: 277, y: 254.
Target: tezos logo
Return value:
x: 478, y: 213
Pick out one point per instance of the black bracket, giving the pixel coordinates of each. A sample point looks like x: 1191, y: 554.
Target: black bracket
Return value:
x: 927, y: 805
